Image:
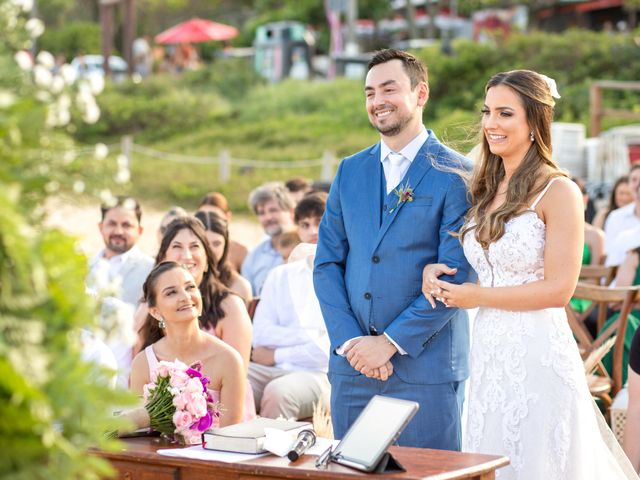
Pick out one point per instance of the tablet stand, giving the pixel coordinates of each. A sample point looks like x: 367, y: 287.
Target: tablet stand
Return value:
x: 387, y: 463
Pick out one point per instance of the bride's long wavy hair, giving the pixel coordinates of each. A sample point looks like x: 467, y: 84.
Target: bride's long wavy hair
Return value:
x: 537, y: 164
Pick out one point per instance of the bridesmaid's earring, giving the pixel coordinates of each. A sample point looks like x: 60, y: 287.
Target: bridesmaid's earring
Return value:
x: 531, y: 137
x: 161, y: 323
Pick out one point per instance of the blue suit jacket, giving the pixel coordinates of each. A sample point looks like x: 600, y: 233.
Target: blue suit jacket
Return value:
x: 368, y: 265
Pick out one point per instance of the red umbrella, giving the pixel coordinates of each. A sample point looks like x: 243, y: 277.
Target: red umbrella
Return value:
x: 196, y: 30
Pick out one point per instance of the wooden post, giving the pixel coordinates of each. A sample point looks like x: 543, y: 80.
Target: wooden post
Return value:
x: 328, y: 160
x: 595, y: 106
x: 225, y: 166
x: 126, y: 142
x: 128, y: 33
x: 106, y: 27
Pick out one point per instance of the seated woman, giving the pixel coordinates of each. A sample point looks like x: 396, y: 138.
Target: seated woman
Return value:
x: 171, y: 331
x: 620, y: 196
x: 217, y: 203
x: 217, y: 232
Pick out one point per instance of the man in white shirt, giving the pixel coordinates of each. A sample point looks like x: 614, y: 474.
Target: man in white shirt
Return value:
x: 116, y: 275
x: 623, y: 224
x: 290, y: 342
x: 273, y: 206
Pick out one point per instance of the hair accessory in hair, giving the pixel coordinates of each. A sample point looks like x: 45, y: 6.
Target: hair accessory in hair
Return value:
x: 551, y: 83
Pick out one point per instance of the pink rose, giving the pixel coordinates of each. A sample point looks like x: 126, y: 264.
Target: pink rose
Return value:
x: 182, y: 419
x: 192, y: 437
x: 197, y: 405
x: 179, y: 378
x: 180, y: 401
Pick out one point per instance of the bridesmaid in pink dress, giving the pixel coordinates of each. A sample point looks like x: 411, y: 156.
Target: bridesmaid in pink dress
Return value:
x: 224, y: 314
x: 171, y: 332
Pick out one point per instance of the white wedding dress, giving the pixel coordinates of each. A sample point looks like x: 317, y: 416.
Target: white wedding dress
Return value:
x: 528, y: 397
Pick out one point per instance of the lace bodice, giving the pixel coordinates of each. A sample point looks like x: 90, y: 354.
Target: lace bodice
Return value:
x: 516, y: 258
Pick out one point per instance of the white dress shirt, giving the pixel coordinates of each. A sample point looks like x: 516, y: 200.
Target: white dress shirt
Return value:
x: 288, y: 319
x: 616, y: 244
x: 409, y: 152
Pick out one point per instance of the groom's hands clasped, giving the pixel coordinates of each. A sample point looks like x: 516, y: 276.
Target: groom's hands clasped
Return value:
x: 371, y: 356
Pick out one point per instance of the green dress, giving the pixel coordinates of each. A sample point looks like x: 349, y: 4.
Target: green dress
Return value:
x: 579, y: 304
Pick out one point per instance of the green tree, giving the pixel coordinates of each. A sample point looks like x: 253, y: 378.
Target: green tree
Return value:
x: 53, y: 405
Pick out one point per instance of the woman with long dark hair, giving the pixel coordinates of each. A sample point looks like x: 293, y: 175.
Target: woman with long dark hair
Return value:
x: 217, y: 231
x: 171, y: 331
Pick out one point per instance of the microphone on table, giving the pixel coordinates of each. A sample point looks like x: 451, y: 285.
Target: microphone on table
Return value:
x: 306, y: 439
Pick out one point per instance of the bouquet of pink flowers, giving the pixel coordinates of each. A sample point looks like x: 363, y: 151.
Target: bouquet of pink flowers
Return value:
x: 178, y: 402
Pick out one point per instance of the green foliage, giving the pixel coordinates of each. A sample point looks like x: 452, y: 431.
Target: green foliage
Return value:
x: 72, y: 38
x: 54, y: 407
x: 152, y: 110
x: 232, y: 78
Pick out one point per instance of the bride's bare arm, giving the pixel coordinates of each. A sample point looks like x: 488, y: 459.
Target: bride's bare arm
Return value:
x: 562, y: 212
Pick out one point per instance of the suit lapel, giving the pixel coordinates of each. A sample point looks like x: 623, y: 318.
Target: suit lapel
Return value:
x: 419, y: 167
x: 371, y: 183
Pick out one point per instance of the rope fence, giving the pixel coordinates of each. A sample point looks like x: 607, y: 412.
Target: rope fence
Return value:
x: 225, y: 162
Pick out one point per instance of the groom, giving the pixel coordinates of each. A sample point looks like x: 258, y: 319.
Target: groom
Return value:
x: 391, y: 210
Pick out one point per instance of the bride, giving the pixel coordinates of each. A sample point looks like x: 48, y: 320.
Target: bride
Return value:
x: 528, y: 397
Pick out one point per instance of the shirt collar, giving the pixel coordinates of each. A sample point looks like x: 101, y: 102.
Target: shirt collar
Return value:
x: 410, y: 150
x: 120, y: 258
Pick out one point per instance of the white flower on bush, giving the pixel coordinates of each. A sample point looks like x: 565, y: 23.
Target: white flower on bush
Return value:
x: 129, y: 204
x: 101, y: 151
x: 96, y: 84
x: 68, y: 157
x: 78, y: 186
x: 45, y: 59
x: 43, y: 96
x: 24, y: 60
x: 25, y: 5
x: 35, y: 27
x: 92, y: 113
x: 107, y: 197
x: 6, y: 99
x: 42, y: 76
x: 57, y: 84
x: 123, y: 176
x: 68, y: 73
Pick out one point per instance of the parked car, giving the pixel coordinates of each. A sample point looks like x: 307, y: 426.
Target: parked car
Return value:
x: 87, y: 65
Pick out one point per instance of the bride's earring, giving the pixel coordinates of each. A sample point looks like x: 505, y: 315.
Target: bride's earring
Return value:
x: 161, y: 323
x: 531, y: 137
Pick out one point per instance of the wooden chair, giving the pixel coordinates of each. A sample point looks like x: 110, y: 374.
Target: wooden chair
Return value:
x: 597, y: 274
x: 602, y: 385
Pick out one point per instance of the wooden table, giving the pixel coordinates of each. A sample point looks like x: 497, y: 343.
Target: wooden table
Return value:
x: 139, y: 461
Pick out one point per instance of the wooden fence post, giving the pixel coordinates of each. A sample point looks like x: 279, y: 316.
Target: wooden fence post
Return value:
x: 126, y: 144
x: 225, y: 166
x: 328, y: 161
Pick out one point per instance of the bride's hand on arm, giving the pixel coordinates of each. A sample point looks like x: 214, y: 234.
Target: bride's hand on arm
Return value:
x: 466, y: 295
x: 430, y: 274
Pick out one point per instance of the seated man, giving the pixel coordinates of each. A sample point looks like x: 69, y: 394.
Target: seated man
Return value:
x: 274, y: 208
x: 290, y: 342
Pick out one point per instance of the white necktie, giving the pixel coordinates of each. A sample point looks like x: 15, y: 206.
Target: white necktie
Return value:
x: 396, y: 170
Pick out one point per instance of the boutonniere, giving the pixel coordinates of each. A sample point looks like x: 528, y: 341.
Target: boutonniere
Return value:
x: 404, y: 193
